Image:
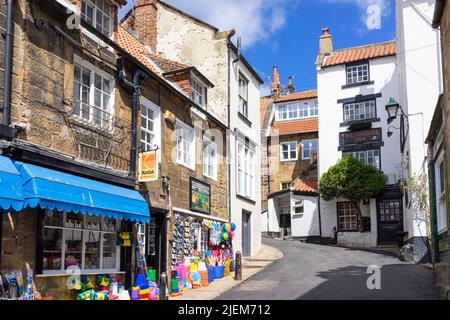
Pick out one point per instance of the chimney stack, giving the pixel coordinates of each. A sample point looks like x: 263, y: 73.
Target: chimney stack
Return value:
x: 275, y: 87
x: 290, y: 86
x: 325, y: 42
x: 144, y: 22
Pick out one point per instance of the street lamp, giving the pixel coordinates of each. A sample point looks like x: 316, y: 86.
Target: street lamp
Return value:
x: 392, y: 109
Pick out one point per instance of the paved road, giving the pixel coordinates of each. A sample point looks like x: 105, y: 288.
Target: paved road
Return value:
x: 315, y: 272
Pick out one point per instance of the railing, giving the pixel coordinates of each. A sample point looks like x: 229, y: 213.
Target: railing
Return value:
x: 93, y: 116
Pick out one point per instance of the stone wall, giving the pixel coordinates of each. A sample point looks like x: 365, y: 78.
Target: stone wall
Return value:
x: 288, y: 171
x: 445, y: 41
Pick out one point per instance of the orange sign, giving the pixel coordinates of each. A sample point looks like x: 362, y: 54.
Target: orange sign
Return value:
x: 148, y: 166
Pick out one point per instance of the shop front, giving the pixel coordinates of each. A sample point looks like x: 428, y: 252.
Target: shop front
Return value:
x: 68, y: 236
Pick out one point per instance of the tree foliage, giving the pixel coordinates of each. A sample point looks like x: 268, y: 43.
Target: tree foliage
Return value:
x: 352, y: 180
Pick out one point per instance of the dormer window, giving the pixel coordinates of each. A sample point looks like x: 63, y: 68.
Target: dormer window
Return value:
x: 357, y: 73
x: 198, y: 92
x: 98, y: 13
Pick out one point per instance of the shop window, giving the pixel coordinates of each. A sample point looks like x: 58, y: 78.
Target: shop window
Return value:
x: 151, y: 237
x: 347, y: 216
x: 204, y: 240
x: 88, y: 242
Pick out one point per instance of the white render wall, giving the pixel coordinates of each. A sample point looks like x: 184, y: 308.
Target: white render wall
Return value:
x: 239, y: 128
x: 384, y: 72
x: 307, y: 224
x: 419, y: 60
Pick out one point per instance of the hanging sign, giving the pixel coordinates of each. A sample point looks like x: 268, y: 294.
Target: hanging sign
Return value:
x: 148, y: 166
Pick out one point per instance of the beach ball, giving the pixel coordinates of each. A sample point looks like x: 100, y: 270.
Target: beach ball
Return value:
x: 231, y: 235
x: 224, y: 236
x: 226, y: 227
x: 233, y: 226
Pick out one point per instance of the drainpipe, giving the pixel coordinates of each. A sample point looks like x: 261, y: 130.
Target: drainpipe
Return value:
x: 134, y: 85
x: 320, y: 218
x: 229, y: 134
x: 8, y: 69
x: 434, y: 231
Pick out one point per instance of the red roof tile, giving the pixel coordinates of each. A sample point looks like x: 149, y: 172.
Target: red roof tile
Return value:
x: 305, y: 185
x: 311, y: 94
x: 360, y: 53
x: 295, y: 126
x: 263, y: 102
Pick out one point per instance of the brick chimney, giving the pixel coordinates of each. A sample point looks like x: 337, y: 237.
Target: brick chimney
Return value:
x: 144, y: 24
x: 325, y: 42
x: 275, y: 86
x: 290, y: 86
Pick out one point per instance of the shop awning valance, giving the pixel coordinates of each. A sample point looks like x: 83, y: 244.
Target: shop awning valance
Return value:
x: 61, y: 191
x: 11, y: 197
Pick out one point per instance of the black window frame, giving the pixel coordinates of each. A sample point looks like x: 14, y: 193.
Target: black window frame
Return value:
x: 344, y: 153
x: 373, y: 119
x: 357, y: 84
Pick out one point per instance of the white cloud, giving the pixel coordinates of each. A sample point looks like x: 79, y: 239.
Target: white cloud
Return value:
x: 371, y: 10
x: 253, y: 20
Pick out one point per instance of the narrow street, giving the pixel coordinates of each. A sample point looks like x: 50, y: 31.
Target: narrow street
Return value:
x: 315, y: 272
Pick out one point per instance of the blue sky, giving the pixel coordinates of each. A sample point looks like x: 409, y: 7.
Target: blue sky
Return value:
x: 285, y: 32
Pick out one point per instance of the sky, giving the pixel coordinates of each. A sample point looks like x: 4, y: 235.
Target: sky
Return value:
x: 285, y: 33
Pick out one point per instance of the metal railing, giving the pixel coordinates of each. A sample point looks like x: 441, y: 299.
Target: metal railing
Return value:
x: 93, y: 116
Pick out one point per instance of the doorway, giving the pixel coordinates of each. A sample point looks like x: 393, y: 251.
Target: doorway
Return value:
x: 390, y: 220
x: 246, y: 234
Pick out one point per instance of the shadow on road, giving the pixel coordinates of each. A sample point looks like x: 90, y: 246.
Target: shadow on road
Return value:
x: 398, y: 281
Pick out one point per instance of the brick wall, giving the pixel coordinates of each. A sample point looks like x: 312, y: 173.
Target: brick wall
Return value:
x: 290, y: 170
x: 144, y: 22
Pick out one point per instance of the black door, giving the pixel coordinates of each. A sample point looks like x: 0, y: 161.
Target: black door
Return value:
x: 390, y: 220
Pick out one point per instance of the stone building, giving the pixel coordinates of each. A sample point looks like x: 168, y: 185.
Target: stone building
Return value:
x: 234, y: 99
x: 82, y: 97
x: 289, y: 122
x: 438, y: 159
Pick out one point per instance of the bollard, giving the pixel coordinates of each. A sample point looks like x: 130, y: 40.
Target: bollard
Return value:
x: 162, y: 286
x: 238, y: 266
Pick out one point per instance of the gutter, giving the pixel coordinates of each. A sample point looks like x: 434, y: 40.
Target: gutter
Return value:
x: 5, y: 129
x: 438, y: 11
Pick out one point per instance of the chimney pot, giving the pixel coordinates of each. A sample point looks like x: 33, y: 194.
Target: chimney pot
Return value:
x: 325, y: 31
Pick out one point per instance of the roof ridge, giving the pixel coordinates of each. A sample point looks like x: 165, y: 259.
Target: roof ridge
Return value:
x: 365, y: 46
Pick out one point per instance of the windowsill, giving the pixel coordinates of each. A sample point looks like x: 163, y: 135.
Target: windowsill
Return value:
x: 358, y: 84
x: 289, y: 160
x: 186, y: 166
x: 245, y: 119
x: 245, y: 199
x: 297, y: 118
x: 43, y: 275
x: 210, y: 178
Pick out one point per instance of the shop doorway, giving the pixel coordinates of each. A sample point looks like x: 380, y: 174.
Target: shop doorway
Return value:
x: 154, y: 243
x: 390, y: 220
x: 246, y: 234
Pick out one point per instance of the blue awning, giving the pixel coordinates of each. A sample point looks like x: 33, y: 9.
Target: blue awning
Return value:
x: 61, y: 191
x: 11, y: 197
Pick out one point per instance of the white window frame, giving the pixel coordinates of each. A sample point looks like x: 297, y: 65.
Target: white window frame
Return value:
x: 288, y: 183
x: 145, y: 105
x: 298, y: 204
x: 196, y: 96
x: 209, y: 162
x: 440, y: 195
x: 84, y: 231
x: 243, y: 94
x: 188, y: 133
x: 96, y: 9
x: 109, y: 109
x: 297, y: 110
x: 245, y: 169
x: 360, y: 110
x: 289, y: 150
x: 310, y: 150
x: 367, y: 153
x: 353, y: 76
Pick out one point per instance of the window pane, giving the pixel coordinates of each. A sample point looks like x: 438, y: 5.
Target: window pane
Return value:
x: 52, y: 247
x: 53, y: 218
x: 92, y: 250
x: 73, y: 243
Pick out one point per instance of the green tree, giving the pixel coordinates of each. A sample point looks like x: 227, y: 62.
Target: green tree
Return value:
x: 352, y: 180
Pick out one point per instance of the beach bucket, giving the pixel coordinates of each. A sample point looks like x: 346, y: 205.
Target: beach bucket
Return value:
x: 210, y: 274
x: 174, y: 286
x: 227, y: 268
x: 151, y: 275
x: 218, y: 272
x: 204, y: 277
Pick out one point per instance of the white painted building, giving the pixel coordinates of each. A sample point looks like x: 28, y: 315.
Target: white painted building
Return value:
x: 234, y: 100
x: 354, y: 86
x: 419, y: 61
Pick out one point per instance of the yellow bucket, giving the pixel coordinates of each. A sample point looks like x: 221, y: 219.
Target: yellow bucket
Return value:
x: 227, y: 268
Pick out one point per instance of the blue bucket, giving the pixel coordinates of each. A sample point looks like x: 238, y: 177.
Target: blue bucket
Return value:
x: 218, y: 272
x: 210, y: 274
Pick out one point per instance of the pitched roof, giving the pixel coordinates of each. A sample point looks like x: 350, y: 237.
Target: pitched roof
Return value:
x: 263, y: 102
x: 310, y: 94
x: 305, y: 185
x: 371, y: 51
x: 295, y: 126
x: 136, y: 48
